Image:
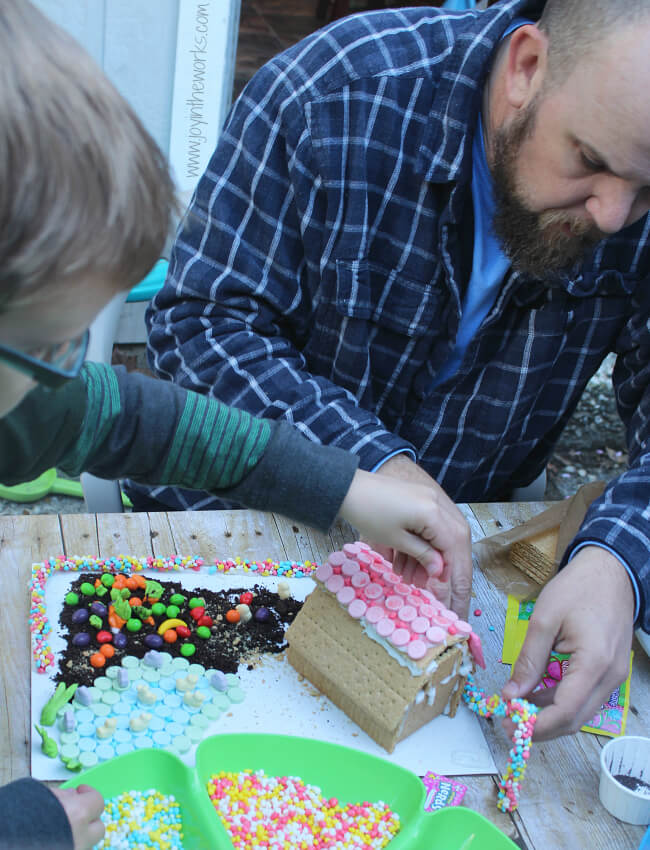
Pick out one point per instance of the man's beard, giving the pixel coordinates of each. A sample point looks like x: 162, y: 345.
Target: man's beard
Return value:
x: 537, y: 243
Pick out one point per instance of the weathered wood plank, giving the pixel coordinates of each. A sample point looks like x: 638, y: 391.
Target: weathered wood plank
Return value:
x: 24, y: 540
x: 124, y: 534
x: 160, y: 534
x: 303, y: 543
x: 500, y: 516
x: 79, y: 533
x: 218, y: 535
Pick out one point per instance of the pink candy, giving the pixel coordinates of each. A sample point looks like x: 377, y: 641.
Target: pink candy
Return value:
x: 324, y: 572
x: 360, y: 579
x: 385, y: 627
x: 349, y: 568
x: 400, y: 637
x: 345, y: 595
x: 373, y: 591
x: 417, y: 649
x: 357, y: 608
x: 375, y: 613
x: 336, y: 559
x: 435, y: 635
x: 393, y: 603
x: 407, y: 613
x: 334, y: 583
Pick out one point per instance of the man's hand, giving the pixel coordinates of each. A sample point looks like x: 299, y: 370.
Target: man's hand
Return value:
x: 587, y: 610
x: 413, y: 523
x: 83, y: 805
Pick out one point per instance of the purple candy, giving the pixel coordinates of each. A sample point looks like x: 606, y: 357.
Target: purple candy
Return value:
x: 81, y: 640
x: 80, y: 616
x: 119, y: 640
x: 154, y: 641
x: 153, y: 659
x: 68, y: 720
x: 99, y: 608
x: 84, y: 695
x: 262, y: 615
x: 123, y: 678
x: 219, y: 681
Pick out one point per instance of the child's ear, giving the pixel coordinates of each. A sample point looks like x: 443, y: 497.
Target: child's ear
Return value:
x: 526, y: 65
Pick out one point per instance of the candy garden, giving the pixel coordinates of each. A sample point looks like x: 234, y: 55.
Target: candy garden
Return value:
x: 149, y: 665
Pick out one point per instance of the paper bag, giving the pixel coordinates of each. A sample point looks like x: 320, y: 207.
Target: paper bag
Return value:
x: 520, y: 561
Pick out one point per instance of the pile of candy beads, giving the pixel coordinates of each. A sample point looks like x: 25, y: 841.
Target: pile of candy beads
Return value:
x: 146, y: 820
x: 284, y: 813
x: 523, y: 714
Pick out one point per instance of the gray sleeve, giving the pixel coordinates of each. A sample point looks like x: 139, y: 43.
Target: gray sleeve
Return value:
x: 298, y: 478
x: 32, y: 818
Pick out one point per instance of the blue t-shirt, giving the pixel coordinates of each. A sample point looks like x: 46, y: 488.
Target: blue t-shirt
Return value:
x: 489, y: 263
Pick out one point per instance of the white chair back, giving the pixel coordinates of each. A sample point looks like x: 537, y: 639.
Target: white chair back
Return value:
x: 174, y: 61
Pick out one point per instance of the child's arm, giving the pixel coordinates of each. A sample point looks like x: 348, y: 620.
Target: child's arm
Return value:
x: 428, y: 536
x: 117, y: 424
x: 83, y: 806
x: 34, y: 818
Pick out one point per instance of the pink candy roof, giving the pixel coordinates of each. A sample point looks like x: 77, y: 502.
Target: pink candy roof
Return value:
x: 408, y: 617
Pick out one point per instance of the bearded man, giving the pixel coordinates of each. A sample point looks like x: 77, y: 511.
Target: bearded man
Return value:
x: 420, y: 234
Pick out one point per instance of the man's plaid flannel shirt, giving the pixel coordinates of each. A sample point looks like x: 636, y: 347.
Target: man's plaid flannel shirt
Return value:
x: 321, y: 269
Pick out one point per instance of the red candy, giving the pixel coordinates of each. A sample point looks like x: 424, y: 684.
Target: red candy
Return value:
x: 183, y: 631
x: 205, y: 621
x: 104, y: 637
x: 197, y: 613
x: 246, y: 598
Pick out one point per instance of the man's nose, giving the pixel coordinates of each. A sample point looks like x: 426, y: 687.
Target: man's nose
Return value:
x: 610, y: 205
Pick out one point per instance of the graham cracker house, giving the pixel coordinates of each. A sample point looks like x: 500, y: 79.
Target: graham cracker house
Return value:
x: 390, y: 655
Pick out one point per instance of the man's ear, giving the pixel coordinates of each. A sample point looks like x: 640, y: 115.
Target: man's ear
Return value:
x: 526, y: 65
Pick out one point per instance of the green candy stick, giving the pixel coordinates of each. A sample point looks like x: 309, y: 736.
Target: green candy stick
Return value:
x: 48, y: 745
x: 61, y: 697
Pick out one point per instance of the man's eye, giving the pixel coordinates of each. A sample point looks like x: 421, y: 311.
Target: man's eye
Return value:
x: 590, y: 164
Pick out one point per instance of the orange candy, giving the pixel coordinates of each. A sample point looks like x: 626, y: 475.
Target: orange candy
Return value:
x: 114, y: 620
x: 170, y: 636
x: 232, y: 616
x: 107, y: 650
x: 133, y: 601
x: 98, y: 659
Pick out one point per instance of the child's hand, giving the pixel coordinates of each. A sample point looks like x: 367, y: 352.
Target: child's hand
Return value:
x: 83, y: 806
x: 429, y: 535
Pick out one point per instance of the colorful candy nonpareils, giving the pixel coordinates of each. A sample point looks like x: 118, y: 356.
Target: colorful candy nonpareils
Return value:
x: 523, y: 714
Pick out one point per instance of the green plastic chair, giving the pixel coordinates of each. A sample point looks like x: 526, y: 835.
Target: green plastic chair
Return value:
x: 47, y: 483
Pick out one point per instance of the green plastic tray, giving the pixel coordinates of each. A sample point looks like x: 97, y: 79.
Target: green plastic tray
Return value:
x: 339, y: 771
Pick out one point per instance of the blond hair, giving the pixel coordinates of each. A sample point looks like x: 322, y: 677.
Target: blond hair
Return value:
x: 83, y: 187
x: 575, y: 29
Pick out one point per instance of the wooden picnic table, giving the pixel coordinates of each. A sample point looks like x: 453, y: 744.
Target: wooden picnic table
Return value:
x: 559, y: 807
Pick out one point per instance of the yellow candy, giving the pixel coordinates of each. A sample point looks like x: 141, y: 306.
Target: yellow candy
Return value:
x: 170, y: 624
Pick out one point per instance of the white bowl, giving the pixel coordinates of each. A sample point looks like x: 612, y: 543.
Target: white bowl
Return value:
x: 628, y: 756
